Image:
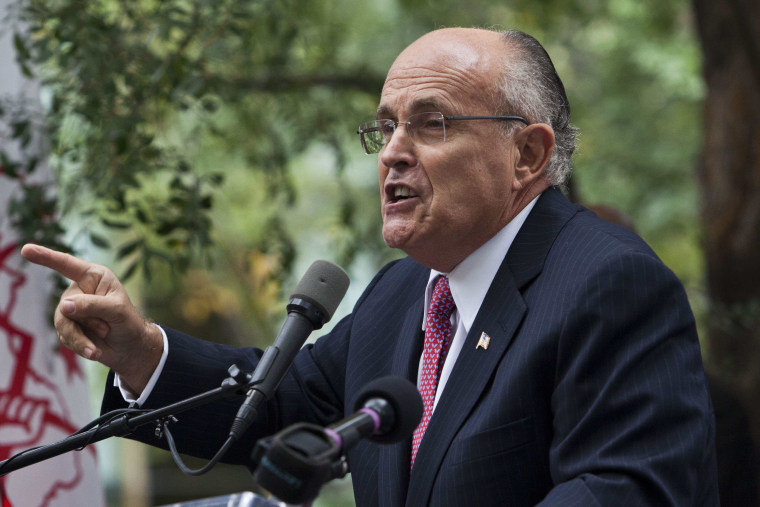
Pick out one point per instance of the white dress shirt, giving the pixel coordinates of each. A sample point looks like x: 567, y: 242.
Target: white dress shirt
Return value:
x: 469, y: 282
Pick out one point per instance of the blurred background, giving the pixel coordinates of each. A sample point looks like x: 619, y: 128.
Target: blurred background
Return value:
x: 206, y: 151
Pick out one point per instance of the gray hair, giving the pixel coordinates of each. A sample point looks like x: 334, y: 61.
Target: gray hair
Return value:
x: 530, y: 87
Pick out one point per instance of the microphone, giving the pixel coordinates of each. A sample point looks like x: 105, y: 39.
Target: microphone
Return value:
x: 295, y: 463
x: 386, y: 410
x: 311, y: 305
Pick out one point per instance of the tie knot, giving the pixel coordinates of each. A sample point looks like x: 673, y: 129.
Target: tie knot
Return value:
x: 442, y: 302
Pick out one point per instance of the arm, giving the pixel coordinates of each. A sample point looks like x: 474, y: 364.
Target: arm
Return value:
x: 193, y: 366
x: 312, y: 391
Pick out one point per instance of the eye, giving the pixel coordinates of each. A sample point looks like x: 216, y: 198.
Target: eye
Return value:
x: 386, y: 127
x: 433, y: 124
x: 428, y: 122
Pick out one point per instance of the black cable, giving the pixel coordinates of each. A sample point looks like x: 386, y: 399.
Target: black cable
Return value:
x: 106, y: 418
x: 178, y: 459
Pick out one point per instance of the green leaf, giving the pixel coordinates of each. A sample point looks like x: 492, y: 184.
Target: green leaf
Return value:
x: 166, y: 228
x: 130, y: 271
x: 19, y: 128
x: 31, y: 165
x: 20, y: 46
x: 99, y: 241
x: 128, y: 248
x: 115, y: 224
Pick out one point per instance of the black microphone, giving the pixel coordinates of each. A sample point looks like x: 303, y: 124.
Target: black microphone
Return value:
x: 311, y: 305
x: 295, y: 463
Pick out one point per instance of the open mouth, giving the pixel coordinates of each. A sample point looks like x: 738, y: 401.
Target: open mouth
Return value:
x: 401, y: 193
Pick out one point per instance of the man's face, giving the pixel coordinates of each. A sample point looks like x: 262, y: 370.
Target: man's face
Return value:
x: 442, y: 202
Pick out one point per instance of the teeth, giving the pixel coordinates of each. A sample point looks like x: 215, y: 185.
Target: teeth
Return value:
x: 399, y: 192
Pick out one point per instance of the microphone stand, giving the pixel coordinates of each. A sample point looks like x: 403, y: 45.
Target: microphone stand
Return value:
x: 238, y: 382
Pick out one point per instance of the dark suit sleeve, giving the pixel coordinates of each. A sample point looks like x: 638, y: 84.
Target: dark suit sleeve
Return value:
x: 310, y: 392
x: 632, y: 417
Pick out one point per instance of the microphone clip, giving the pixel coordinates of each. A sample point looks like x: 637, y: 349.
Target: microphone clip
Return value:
x: 316, y: 315
x: 296, y: 462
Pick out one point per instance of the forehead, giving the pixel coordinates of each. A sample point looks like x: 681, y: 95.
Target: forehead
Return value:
x: 450, y: 74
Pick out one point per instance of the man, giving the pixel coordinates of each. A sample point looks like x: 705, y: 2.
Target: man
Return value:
x: 566, y: 369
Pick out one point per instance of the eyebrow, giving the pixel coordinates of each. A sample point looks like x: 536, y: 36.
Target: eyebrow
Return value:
x: 383, y: 112
x: 426, y: 104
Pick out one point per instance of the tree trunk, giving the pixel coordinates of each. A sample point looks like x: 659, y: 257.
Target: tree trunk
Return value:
x: 729, y: 178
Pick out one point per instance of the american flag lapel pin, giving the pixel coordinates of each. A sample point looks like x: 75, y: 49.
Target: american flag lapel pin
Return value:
x: 483, y: 341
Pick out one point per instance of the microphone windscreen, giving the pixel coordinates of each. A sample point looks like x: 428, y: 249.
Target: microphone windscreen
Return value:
x: 324, y: 284
x: 403, y: 397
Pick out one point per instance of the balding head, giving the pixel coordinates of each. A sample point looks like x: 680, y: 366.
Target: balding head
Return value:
x: 519, y: 78
x: 472, y: 54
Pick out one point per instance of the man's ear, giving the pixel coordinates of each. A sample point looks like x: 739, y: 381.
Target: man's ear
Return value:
x: 535, y: 144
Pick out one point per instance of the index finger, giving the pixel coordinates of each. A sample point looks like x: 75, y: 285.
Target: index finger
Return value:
x: 67, y: 265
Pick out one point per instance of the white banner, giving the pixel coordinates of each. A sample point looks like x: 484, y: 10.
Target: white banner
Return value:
x: 43, y: 390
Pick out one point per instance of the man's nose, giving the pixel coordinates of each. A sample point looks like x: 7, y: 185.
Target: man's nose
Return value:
x: 399, y: 148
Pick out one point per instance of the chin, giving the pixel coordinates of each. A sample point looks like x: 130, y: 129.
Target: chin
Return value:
x: 395, y: 238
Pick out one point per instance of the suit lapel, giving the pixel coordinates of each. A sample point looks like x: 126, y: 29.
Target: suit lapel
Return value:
x: 500, y: 315
x: 468, y: 379
x: 395, y: 458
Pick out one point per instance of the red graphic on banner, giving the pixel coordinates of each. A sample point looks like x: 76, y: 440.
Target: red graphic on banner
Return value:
x: 30, y: 404
x: 3, y: 496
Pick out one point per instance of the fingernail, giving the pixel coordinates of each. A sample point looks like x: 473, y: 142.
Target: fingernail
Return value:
x: 87, y: 353
x: 69, y: 307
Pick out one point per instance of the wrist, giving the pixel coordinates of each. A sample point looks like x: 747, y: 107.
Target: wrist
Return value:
x: 143, y: 359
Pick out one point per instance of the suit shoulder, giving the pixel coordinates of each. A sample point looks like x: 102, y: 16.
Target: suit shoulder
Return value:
x: 398, y: 275
x: 596, y: 239
x: 590, y: 250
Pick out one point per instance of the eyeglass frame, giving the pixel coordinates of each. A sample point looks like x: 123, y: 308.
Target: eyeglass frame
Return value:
x: 396, y: 123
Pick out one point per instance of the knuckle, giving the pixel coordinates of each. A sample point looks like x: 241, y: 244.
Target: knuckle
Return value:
x: 65, y: 341
x: 78, y: 346
x: 73, y: 288
x: 59, y: 321
x: 96, y: 273
x: 82, y: 304
x: 120, y: 307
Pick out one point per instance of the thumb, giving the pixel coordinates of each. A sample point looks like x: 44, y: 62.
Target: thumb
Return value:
x: 108, y: 309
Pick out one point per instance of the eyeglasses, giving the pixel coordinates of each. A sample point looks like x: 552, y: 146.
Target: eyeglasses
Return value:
x: 423, y: 128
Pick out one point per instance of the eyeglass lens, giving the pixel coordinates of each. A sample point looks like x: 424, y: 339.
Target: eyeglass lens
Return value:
x: 425, y: 128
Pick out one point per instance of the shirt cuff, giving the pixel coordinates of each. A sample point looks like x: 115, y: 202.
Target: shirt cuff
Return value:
x: 128, y: 395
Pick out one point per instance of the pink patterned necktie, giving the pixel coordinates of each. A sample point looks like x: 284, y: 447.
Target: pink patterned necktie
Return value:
x: 437, y: 341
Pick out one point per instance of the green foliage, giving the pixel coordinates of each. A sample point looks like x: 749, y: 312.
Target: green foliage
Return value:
x: 635, y: 85
x: 136, y: 90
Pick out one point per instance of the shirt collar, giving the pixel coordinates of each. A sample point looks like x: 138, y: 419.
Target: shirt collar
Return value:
x: 471, y: 278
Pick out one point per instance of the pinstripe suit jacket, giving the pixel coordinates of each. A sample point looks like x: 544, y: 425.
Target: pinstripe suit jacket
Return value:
x: 591, y: 392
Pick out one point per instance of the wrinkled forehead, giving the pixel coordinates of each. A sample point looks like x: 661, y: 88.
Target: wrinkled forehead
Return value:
x: 442, y: 48
x: 453, y: 69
